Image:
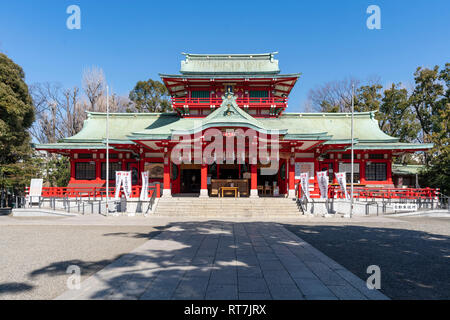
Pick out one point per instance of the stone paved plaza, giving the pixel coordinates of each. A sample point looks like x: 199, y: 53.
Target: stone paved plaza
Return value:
x: 224, y: 260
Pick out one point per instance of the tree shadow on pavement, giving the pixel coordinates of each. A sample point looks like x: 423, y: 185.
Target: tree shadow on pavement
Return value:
x: 189, y: 260
x: 414, y: 264
x: 203, y: 260
x: 139, y: 235
x: 14, y: 287
x: 171, y: 266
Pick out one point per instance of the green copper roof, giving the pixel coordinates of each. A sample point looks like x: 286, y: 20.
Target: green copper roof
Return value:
x: 333, y: 127
x: 205, y: 75
x: 391, y: 146
x: 63, y: 146
x: 229, y: 63
x: 400, y: 169
x: 337, y: 125
x: 121, y: 125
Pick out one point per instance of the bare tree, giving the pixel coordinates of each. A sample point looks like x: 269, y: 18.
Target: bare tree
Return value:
x: 307, y: 106
x: 94, y: 86
x: 333, y: 96
x: 59, y: 112
x: 118, y: 103
x: 72, y: 113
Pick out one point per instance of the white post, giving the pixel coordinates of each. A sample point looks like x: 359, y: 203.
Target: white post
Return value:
x: 352, y: 155
x: 107, y: 150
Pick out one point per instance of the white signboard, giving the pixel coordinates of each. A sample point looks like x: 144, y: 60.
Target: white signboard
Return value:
x: 322, y: 179
x: 144, y: 191
x: 35, y: 190
x: 301, y: 167
x: 405, y: 207
x: 304, y: 183
x: 123, y: 179
x: 341, y: 178
x: 347, y: 167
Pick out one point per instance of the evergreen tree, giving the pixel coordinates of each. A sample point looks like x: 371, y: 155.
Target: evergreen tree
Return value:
x: 437, y: 171
x: 16, y: 117
x: 150, y: 96
x: 396, y: 117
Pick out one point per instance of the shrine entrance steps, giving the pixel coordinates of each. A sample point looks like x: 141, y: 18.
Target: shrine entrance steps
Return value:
x: 227, y: 207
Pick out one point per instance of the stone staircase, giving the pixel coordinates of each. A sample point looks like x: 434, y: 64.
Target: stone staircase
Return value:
x: 227, y: 207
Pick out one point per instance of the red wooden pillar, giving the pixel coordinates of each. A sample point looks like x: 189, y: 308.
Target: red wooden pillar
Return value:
x: 389, y: 171
x: 98, y: 168
x: 166, y: 178
x: 291, y: 192
x: 204, y: 181
x: 158, y: 190
x: 72, y: 169
x: 362, y: 171
x: 335, y: 169
x: 254, y: 180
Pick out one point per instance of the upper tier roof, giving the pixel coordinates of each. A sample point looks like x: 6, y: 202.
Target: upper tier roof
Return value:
x: 262, y: 63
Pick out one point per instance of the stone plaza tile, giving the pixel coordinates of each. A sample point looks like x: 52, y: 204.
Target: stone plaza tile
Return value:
x: 254, y: 296
x: 221, y: 292
x: 325, y: 274
x: 346, y: 292
x: 191, y: 288
x: 271, y: 265
x: 313, y: 288
x: 202, y: 261
x: 361, y: 286
x: 250, y: 260
x: 262, y: 249
x: 161, y: 289
x: 250, y: 272
x: 250, y: 284
x: 221, y: 276
x: 303, y: 273
x: 224, y: 260
x: 278, y: 278
x: 285, y: 292
x: 200, y: 271
x: 267, y: 256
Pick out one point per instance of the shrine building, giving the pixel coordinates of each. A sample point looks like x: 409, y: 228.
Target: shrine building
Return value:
x: 230, y: 127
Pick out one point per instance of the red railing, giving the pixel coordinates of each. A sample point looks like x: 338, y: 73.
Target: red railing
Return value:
x: 386, y: 193
x: 376, y: 193
x: 278, y: 102
x: 92, y: 192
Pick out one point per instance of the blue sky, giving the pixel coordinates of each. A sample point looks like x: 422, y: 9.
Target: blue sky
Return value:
x: 136, y: 40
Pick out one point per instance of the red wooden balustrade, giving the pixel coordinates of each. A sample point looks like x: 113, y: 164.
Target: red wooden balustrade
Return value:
x: 251, y: 102
x: 333, y: 192
x: 93, y: 192
x: 376, y: 193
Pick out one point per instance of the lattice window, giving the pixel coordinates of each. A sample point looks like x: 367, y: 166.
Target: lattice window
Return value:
x: 84, y: 171
x: 200, y: 94
x: 376, y: 171
x: 113, y: 167
x: 259, y: 94
x: 376, y: 156
x: 85, y: 156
